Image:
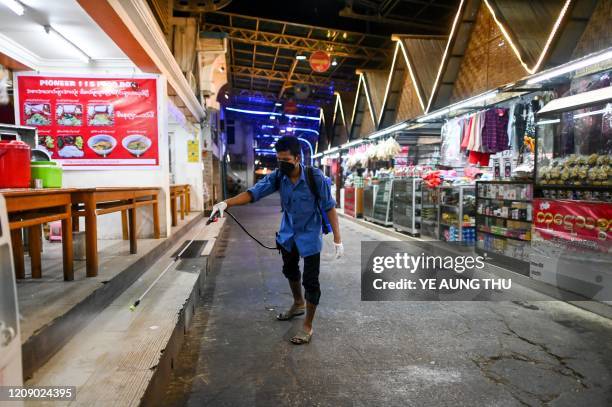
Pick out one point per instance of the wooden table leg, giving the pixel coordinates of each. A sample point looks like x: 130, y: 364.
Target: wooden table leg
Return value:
x: 132, y: 223
x: 34, y: 248
x: 156, y: 232
x: 91, y: 237
x: 67, y: 247
x: 18, y: 260
x: 124, y: 225
x: 188, y: 198
x: 173, y: 210
x: 75, y: 221
x: 182, y: 205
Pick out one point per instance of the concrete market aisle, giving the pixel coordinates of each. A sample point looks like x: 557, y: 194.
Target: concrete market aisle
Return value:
x: 377, y: 353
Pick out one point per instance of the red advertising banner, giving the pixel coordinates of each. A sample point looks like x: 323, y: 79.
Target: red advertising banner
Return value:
x: 92, y: 121
x: 575, y: 225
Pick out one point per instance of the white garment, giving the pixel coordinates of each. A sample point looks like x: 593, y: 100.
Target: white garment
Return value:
x: 450, y: 151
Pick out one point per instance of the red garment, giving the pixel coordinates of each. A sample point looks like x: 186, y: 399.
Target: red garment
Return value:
x: 481, y: 159
x: 466, y: 133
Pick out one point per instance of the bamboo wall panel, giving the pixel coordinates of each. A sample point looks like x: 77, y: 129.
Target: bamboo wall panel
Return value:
x: 408, y: 106
x: 489, y: 61
x: 377, y: 84
x: 598, y: 33
x: 367, y: 125
x: 426, y: 56
x: 529, y: 23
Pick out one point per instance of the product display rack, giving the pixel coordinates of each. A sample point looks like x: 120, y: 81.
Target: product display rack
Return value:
x: 382, y: 204
x: 503, y: 223
x: 407, y: 205
x: 429, y: 211
x: 456, y: 214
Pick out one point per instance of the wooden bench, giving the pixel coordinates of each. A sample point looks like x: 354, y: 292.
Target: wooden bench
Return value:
x: 92, y: 202
x: 31, y: 208
x: 182, y: 192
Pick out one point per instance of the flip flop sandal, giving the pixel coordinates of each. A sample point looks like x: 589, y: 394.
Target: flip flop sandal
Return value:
x: 301, y: 338
x: 292, y: 312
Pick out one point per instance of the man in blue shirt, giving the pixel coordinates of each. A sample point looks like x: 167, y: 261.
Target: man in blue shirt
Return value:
x: 300, y: 230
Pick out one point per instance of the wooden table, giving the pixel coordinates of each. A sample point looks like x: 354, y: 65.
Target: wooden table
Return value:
x: 183, y: 193
x: 31, y: 208
x: 91, y: 202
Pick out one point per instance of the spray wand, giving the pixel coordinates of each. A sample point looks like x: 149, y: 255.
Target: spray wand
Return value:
x: 178, y: 256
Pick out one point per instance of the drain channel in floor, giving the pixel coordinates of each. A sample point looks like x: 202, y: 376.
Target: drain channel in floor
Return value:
x: 193, y: 251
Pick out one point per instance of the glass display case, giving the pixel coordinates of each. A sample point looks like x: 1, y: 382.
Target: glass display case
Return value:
x: 407, y: 205
x: 503, y: 223
x: 369, y: 194
x: 429, y: 212
x: 456, y: 214
x: 383, y: 198
x: 574, y: 142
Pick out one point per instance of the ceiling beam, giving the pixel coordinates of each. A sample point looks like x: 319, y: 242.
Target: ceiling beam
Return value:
x: 307, y: 79
x: 301, y: 44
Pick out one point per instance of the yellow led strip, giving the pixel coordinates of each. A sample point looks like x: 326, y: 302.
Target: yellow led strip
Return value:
x: 549, y: 41
x: 443, y: 61
x: 382, y: 108
x: 412, y: 75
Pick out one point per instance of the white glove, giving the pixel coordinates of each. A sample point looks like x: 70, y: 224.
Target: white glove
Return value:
x: 218, y: 208
x: 339, y: 250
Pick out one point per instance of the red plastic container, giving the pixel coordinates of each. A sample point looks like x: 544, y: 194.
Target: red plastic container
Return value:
x: 14, y: 164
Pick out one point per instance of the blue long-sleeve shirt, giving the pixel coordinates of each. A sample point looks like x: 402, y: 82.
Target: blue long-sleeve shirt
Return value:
x: 301, y: 221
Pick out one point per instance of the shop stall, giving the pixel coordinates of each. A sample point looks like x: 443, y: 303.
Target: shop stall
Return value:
x: 503, y: 222
x: 573, y: 205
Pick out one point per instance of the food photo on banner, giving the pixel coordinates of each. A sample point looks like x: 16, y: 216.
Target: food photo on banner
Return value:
x: 93, y: 121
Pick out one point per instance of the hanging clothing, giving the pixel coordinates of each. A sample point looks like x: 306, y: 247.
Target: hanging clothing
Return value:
x: 467, y: 128
x: 520, y: 124
x: 495, y: 130
x: 475, y: 141
x: 450, y: 150
x: 511, y: 130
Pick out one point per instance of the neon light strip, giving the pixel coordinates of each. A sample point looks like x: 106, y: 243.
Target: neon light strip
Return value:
x: 412, y: 74
x: 549, y: 40
x: 258, y: 112
x: 310, y: 146
x: 446, y: 50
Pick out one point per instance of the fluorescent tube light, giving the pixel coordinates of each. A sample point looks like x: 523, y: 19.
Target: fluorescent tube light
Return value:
x: 433, y: 115
x: 388, y: 130
x: 15, y: 6
x: 300, y: 57
x: 474, y: 101
x: 79, y: 53
x: 352, y: 143
x: 602, y: 111
x: 543, y: 122
x: 571, y: 67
